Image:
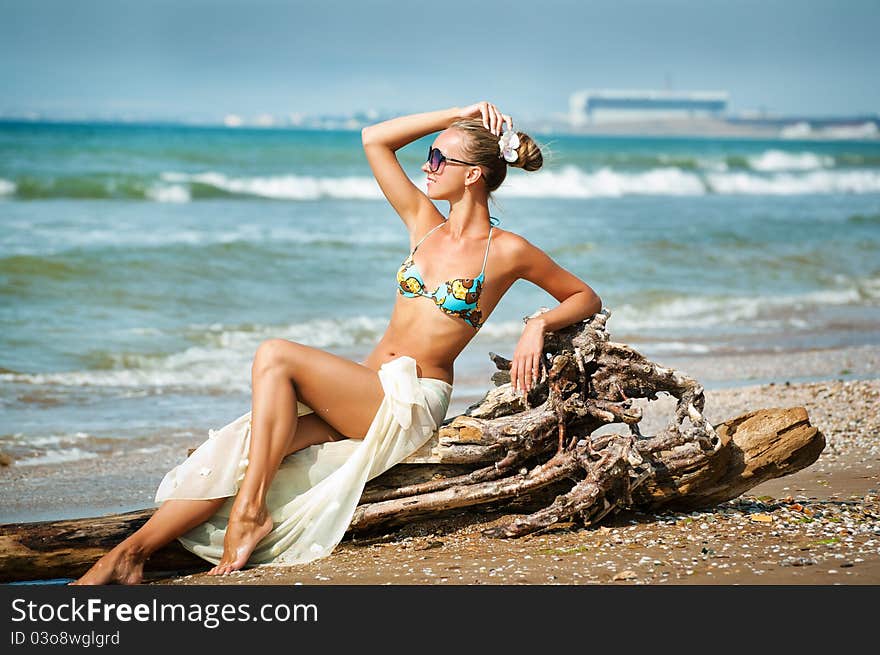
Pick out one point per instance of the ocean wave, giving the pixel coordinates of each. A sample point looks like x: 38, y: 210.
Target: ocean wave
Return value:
x: 780, y: 160
x: 221, y: 356
x: 284, y: 187
x: 31, y: 248
x: 814, y: 182
x: 756, y: 311
x: 56, y: 457
x: 673, y: 347
x: 772, y: 172
x: 572, y: 182
x: 9, y: 441
x: 31, y: 450
x: 170, y: 193
x: 54, y: 448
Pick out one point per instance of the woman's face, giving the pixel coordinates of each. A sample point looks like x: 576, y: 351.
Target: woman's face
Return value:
x: 447, y: 182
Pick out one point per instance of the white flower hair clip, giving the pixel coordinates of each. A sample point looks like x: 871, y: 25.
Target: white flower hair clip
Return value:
x: 508, y: 143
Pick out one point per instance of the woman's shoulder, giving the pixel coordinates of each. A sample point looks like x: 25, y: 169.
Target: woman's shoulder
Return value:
x: 512, y: 248
x: 520, y: 254
x: 515, y: 243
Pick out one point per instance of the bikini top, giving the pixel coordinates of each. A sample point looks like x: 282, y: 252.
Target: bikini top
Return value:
x: 459, y: 297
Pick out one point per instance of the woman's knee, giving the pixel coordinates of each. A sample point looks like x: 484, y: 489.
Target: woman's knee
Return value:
x: 271, y: 355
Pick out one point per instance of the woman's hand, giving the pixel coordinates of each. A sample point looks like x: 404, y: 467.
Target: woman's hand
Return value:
x: 527, y: 367
x: 493, y: 119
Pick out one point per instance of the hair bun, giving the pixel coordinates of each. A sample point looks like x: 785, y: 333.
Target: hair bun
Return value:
x: 529, y: 154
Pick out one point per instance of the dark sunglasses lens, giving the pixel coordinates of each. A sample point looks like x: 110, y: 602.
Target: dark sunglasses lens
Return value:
x: 435, y: 157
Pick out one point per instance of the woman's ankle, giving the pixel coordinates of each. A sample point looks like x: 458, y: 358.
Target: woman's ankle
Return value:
x: 251, y: 509
x: 134, y: 550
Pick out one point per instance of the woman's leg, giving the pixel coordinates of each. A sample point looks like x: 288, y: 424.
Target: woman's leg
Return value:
x: 347, y: 394
x: 343, y: 393
x: 125, y: 563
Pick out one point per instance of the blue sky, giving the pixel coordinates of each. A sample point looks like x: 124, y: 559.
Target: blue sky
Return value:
x: 205, y: 58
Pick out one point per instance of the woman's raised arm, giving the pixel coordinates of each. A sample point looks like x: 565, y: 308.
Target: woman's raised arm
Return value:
x: 380, y: 143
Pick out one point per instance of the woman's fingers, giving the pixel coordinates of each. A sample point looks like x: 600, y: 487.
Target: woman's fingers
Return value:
x: 490, y: 117
x: 493, y: 119
x: 517, y: 374
x: 499, y: 122
x: 526, y: 371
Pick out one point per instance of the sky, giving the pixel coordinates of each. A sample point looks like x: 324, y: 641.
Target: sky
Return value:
x: 201, y: 59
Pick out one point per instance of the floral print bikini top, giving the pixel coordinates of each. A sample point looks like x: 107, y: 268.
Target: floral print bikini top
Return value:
x: 459, y: 297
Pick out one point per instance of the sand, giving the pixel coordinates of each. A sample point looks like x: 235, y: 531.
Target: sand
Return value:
x: 818, y: 526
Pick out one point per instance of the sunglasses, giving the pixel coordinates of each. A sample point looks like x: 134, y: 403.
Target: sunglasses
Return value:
x: 437, y: 159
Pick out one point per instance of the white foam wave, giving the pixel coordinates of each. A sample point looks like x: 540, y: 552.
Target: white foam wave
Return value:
x: 222, y: 360
x: 44, y: 441
x: 674, y: 347
x: 758, y: 311
x: 56, y: 457
x: 823, y: 181
x: 775, y: 172
x: 58, y: 239
x: 572, y: 182
x: 285, y: 187
x: 7, y: 187
x: 172, y: 193
x: 779, y: 160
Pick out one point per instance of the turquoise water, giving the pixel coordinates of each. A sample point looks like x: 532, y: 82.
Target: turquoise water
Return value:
x: 140, y: 266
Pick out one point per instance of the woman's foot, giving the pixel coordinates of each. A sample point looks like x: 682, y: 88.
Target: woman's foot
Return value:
x: 243, y: 532
x: 122, y: 565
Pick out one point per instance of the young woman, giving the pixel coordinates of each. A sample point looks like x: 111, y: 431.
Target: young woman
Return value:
x: 280, y: 484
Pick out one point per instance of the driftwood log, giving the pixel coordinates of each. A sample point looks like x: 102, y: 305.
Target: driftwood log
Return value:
x: 572, y: 445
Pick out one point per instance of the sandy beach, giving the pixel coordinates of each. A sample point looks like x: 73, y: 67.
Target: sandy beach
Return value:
x: 818, y: 526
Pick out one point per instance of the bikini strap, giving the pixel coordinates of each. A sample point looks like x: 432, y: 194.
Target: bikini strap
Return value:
x: 426, y: 236
x: 486, y: 256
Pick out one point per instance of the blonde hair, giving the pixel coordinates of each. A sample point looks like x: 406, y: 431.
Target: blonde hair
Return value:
x: 481, y: 147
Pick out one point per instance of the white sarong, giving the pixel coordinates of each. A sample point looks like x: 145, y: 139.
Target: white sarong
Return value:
x: 313, y: 496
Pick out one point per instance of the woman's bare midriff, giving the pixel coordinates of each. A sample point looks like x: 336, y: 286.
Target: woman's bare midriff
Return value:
x: 426, y: 334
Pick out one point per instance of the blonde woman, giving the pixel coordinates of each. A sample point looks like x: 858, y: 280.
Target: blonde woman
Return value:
x: 280, y: 484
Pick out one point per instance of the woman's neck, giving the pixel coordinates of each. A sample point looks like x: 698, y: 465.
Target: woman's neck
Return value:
x: 468, y: 218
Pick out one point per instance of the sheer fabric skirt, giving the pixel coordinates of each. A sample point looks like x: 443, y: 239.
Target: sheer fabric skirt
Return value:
x: 313, y: 496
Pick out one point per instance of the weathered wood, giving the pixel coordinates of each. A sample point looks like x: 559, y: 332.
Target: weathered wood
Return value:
x: 62, y: 549
x: 509, y: 447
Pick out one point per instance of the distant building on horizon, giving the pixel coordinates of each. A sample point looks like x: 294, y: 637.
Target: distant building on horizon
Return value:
x: 597, y: 106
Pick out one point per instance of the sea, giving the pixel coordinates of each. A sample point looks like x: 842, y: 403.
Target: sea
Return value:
x: 142, y: 264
